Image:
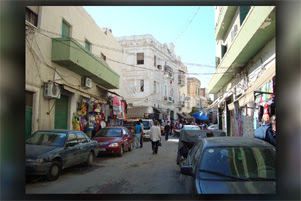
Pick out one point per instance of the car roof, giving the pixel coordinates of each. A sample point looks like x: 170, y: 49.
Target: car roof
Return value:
x: 190, y: 126
x: 235, y: 141
x: 115, y: 127
x: 58, y: 130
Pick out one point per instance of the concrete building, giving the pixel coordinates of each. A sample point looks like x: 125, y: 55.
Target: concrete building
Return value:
x: 69, y: 60
x: 194, y: 92
x: 245, y: 60
x: 154, y: 78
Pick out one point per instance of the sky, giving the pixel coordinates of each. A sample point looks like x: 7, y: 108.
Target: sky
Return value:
x: 190, y: 28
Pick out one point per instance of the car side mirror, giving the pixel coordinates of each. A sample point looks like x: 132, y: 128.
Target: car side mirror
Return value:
x: 186, y: 170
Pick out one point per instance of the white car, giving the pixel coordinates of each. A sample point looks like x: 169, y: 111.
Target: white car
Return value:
x: 191, y: 127
x: 213, y: 127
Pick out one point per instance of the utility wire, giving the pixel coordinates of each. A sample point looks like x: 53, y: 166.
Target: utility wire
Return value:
x: 128, y: 53
x: 139, y: 67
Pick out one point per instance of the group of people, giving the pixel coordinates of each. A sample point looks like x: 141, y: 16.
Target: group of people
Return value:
x: 138, y: 139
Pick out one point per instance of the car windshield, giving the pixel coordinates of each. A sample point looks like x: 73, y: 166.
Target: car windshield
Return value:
x: 47, y: 138
x: 256, y: 163
x: 109, y: 132
x: 191, y: 128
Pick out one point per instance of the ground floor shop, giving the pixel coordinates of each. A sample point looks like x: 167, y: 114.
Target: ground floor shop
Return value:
x: 72, y: 109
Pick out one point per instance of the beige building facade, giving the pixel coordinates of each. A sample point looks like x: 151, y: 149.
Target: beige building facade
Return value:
x: 194, y: 93
x: 69, y: 59
x: 154, y: 78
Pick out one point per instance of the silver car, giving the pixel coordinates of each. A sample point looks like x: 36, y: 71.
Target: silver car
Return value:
x: 230, y: 165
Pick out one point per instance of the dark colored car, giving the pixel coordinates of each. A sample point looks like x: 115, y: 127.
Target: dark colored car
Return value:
x: 50, y: 151
x: 231, y: 165
x: 114, y: 140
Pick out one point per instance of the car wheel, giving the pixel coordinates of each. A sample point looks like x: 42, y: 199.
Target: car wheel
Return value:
x: 121, y: 151
x: 54, y: 171
x: 90, y: 159
x: 131, y: 147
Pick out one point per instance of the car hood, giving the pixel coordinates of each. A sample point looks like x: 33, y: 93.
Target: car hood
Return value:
x: 33, y: 151
x: 237, y: 187
x: 107, y: 139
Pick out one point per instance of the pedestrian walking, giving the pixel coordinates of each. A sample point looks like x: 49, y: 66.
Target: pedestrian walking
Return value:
x: 167, y: 130
x: 138, y: 135
x: 141, y: 138
x: 155, y: 136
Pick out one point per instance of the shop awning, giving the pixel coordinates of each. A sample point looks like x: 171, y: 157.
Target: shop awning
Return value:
x: 181, y: 115
x: 213, y: 105
x: 187, y: 116
x: 159, y: 110
x: 201, y: 116
x: 265, y: 77
x: 136, y: 112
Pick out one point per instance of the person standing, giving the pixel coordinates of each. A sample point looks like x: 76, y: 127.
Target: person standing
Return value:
x: 155, y: 136
x: 167, y: 130
x: 138, y: 134
x: 141, y: 138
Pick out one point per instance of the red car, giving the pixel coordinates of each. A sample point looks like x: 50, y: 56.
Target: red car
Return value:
x: 114, y: 140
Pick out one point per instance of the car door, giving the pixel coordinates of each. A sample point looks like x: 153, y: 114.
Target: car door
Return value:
x: 71, y: 152
x: 125, y: 136
x: 84, y: 148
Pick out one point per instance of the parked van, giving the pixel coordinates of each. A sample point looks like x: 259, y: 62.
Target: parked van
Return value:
x: 147, y: 124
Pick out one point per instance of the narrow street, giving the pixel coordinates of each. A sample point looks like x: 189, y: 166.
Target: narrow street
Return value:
x: 136, y: 172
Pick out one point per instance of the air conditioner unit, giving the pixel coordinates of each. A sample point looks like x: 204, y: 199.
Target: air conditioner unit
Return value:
x: 86, y: 82
x: 52, y: 90
x: 170, y: 99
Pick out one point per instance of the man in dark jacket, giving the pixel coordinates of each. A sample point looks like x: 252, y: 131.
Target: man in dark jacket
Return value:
x: 167, y: 130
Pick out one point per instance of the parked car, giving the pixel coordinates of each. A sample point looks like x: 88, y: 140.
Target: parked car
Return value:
x: 147, y: 124
x: 50, y: 151
x: 231, y: 165
x: 191, y: 127
x: 213, y: 127
x: 189, y: 137
x: 114, y: 140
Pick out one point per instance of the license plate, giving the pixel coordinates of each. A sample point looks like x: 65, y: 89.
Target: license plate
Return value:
x: 102, y: 149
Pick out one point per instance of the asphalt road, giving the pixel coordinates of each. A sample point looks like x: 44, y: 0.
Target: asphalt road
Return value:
x: 136, y: 172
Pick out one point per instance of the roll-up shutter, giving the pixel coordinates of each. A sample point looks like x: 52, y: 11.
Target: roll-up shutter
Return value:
x: 61, y: 113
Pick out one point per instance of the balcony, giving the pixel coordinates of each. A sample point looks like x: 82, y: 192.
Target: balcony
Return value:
x: 69, y: 53
x: 257, y: 30
x: 224, y: 21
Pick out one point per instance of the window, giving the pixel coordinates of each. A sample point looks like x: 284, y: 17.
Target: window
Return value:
x: 155, y: 87
x: 188, y: 89
x: 140, y: 58
x: 233, y: 32
x: 31, y: 17
x: 142, y: 85
x: 155, y: 61
x: 81, y: 138
x: 72, y: 138
x: 224, y: 50
x: 66, y: 29
x: 103, y: 57
x: 88, y: 45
